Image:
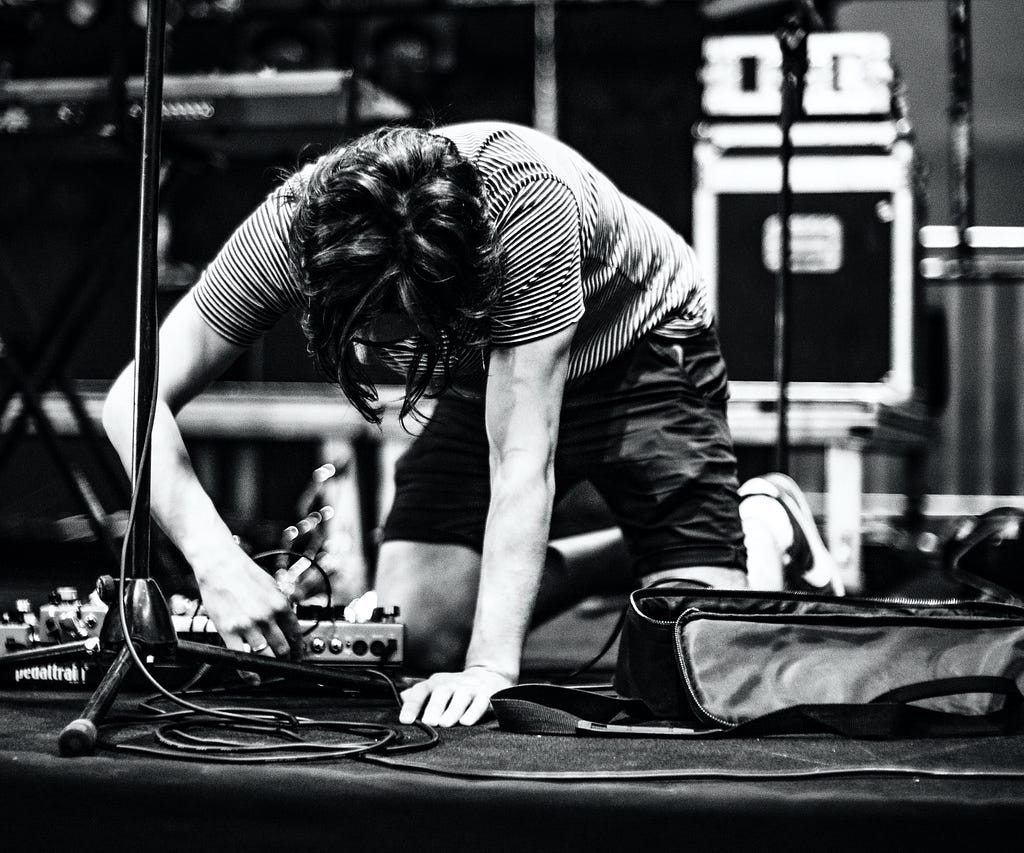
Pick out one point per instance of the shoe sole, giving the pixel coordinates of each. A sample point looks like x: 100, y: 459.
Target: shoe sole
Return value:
x: 785, y: 490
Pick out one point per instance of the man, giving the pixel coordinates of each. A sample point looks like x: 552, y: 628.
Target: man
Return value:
x: 566, y: 334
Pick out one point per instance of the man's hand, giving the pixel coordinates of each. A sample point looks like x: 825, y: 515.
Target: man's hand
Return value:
x: 453, y: 697
x: 246, y: 606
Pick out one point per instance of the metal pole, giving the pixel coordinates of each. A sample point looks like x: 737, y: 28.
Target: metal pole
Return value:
x: 961, y: 117
x: 146, y: 283
x: 545, y: 68
x: 793, y: 43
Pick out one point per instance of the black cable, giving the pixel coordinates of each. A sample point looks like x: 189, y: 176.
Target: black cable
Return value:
x: 313, y: 564
x: 374, y: 739
x: 608, y: 643
x: 175, y: 734
x: 621, y: 621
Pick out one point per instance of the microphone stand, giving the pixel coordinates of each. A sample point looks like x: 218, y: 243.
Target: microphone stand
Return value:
x: 138, y: 614
x: 792, y: 38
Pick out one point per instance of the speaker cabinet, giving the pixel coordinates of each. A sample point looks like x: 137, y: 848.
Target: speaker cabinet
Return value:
x: 854, y: 307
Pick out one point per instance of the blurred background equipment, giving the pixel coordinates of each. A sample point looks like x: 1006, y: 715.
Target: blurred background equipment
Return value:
x: 853, y: 315
x: 986, y: 552
x: 226, y: 114
x: 856, y: 206
x: 624, y: 82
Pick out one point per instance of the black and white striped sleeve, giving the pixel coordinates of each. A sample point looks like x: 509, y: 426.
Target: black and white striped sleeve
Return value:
x: 247, y: 287
x: 542, y: 292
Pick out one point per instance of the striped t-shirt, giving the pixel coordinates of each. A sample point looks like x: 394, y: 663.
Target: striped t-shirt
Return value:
x: 575, y: 250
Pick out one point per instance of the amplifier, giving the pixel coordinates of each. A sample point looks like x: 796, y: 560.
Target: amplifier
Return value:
x: 855, y: 324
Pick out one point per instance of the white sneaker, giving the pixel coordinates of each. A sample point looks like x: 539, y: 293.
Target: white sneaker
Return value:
x: 808, y: 565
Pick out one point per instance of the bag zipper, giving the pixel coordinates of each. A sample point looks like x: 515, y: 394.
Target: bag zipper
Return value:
x: 691, y: 612
x: 1004, y: 607
x: 699, y: 711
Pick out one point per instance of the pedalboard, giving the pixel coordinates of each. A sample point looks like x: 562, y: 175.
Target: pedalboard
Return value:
x: 63, y: 619
x: 327, y: 639
x: 15, y: 637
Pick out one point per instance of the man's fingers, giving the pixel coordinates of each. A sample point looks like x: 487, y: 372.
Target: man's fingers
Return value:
x: 412, y: 702
x: 258, y: 642
x: 289, y: 623
x: 477, y: 708
x: 439, y: 697
x: 278, y: 645
x: 457, y: 705
x: 237, y: 644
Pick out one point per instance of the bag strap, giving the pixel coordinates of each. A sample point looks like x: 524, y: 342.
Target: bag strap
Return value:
x: 995, y: 684
x: 550, y: 709
x: 1007, y: 719
x: 891, y: 715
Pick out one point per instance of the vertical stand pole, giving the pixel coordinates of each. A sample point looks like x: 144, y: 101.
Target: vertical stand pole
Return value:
x: 545, y: 74
x: 793, y: 42
x: 79, y: 736
x: 145, y: 303
x: 961, y: 118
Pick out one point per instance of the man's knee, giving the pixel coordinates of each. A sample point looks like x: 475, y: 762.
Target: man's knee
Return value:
x: 718, y: 577
x: 435, y: 586
x: 435, y: 651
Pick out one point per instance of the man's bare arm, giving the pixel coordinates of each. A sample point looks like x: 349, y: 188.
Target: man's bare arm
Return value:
x: 241, y: 599
x: 524, y: 396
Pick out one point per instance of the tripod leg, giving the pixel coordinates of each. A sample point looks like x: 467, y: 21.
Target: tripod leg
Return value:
x: 51, y: 654
x: 79, y: 736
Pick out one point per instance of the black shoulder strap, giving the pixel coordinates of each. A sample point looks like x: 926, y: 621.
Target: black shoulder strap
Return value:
x: 550, y: 709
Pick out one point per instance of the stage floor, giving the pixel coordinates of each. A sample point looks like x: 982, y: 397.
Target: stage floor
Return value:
x: 791, y: 793
x: 559, y: 793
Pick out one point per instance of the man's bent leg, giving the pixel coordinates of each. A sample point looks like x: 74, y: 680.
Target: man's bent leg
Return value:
x: 718, y: 577
x: 593, y: 563
x: 435, y: 585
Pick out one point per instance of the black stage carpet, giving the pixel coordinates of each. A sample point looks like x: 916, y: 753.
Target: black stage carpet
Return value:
x: 806, y: 793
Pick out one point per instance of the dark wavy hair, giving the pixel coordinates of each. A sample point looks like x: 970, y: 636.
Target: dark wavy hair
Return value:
x: 393, y: 222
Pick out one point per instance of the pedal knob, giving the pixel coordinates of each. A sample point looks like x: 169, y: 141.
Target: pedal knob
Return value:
x: 106, y: 589
x: 335, y: 646
x: 66, y: 595
x: 316, y: 646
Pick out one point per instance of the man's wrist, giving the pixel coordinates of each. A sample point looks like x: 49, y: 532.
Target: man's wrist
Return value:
x: 206, y: 554
x: 509, y: 669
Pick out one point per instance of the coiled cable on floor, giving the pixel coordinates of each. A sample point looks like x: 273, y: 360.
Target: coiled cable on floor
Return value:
x: 222, y: 737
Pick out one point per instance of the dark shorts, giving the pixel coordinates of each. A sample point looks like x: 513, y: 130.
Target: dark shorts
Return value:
x: 649, y: 432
